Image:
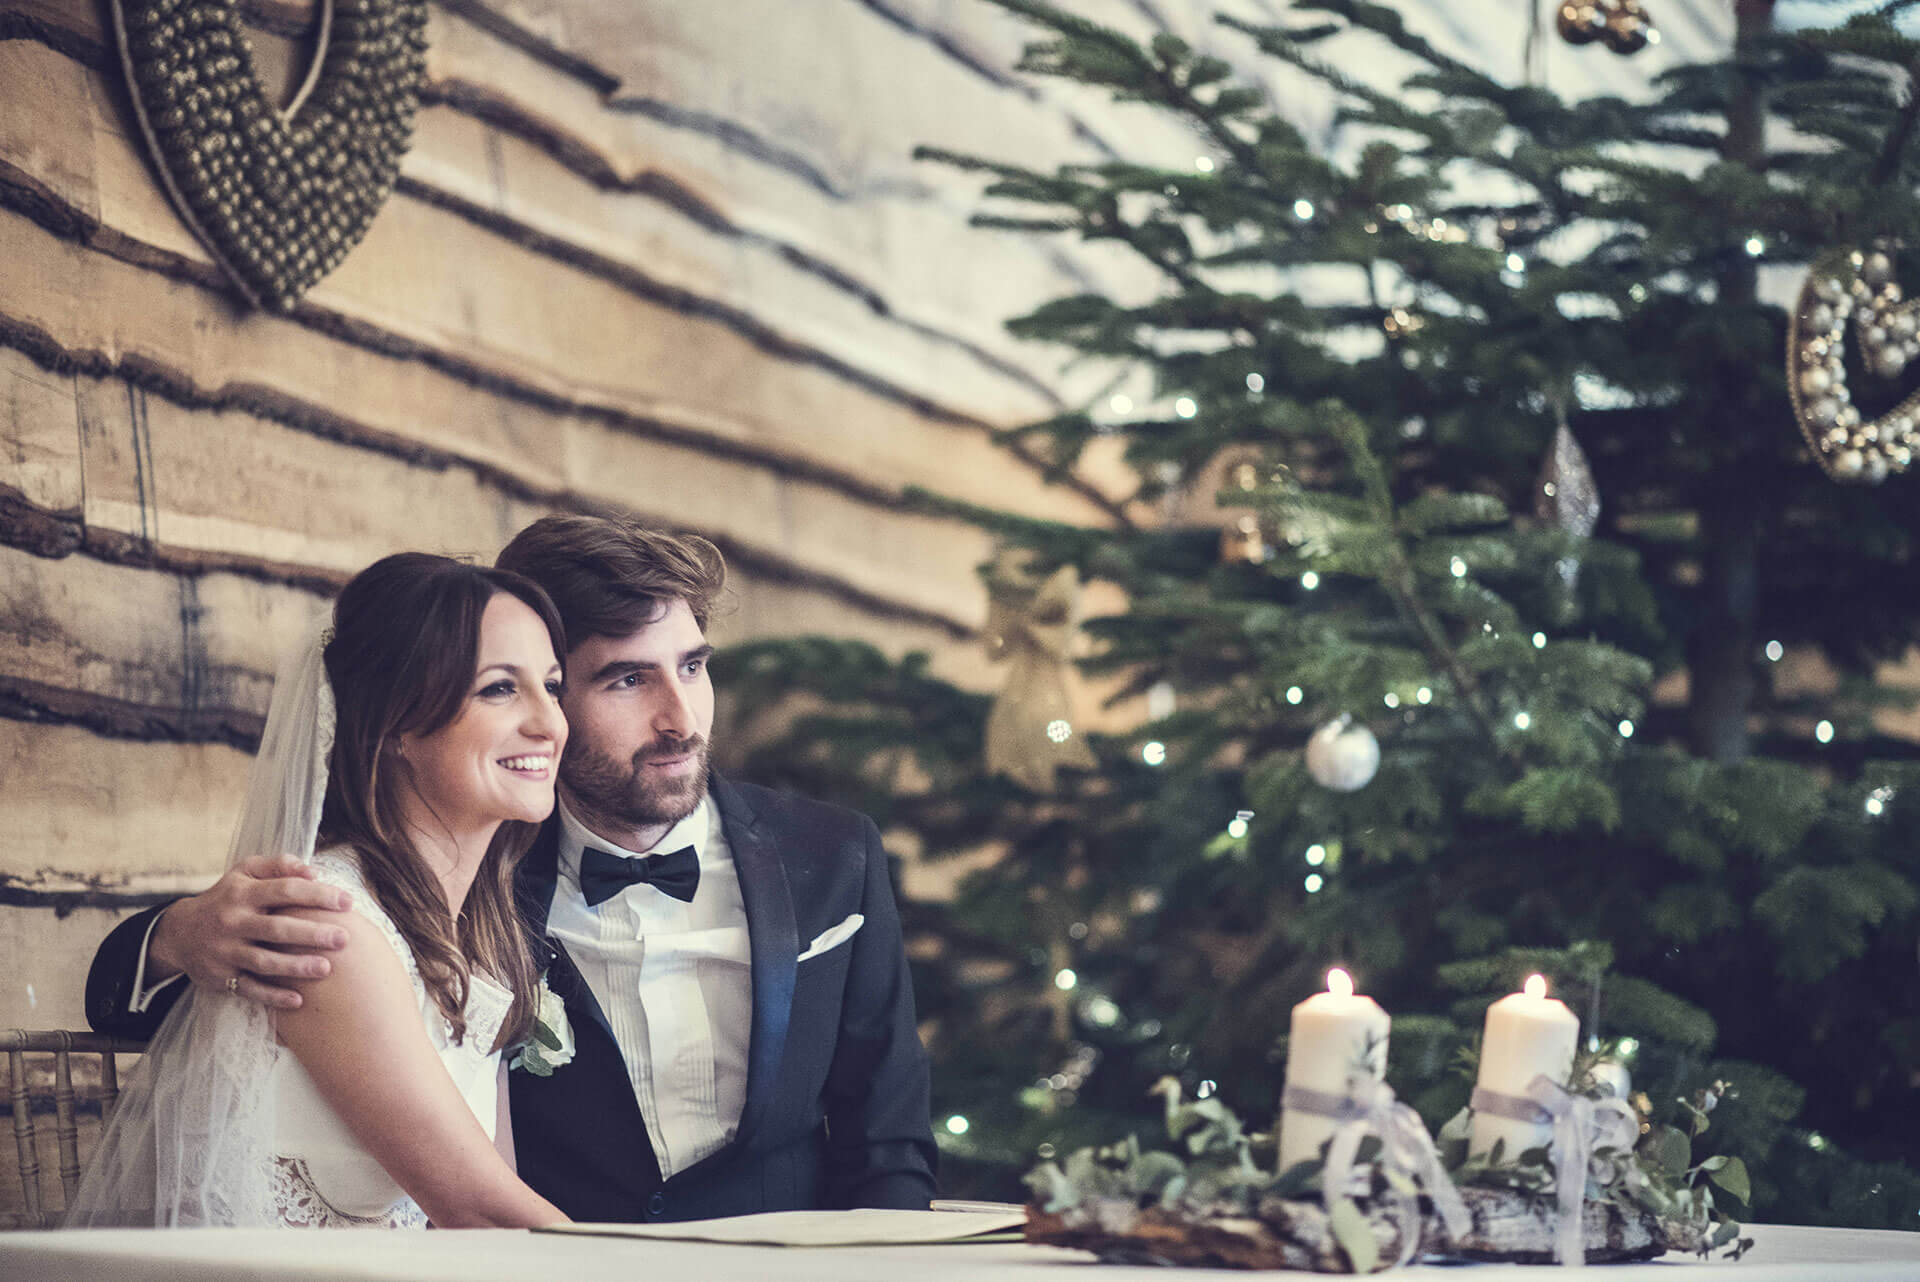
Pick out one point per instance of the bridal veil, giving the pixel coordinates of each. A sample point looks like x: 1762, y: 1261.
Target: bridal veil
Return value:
x: 189, y: 1142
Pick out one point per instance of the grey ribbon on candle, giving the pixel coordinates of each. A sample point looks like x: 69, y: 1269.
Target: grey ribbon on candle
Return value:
x: 1405, y: 1148
x: 1580, y: 1125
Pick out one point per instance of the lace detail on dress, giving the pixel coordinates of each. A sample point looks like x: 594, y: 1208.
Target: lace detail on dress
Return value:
x: 298, y: 1204
x: 487, y: 1007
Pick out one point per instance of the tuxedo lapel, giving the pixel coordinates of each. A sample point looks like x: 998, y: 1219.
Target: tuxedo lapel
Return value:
x: 775, y: 945
x: 534, y: 886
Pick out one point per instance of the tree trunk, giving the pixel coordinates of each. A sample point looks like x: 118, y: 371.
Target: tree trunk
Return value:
x: 1721, y: 649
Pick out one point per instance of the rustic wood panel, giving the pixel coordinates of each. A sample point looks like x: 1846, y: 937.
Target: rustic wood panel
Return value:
x: 847, y: 93
x: 554, y: 332
x: 212, y: 482
x: 68, y: 797
x: 136, y: 223
x: 272, y: 366
x: 522, y: 191
x: 230, y: 483
x: 141, y: 651
x: 39, y: 433
x: 195, y: 488
x: 562, y: 116
x: 894, y: 235
x: 798, y: 129
x: 144, y: 652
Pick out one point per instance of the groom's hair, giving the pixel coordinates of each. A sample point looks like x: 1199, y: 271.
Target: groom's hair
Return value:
x: 610, y: 577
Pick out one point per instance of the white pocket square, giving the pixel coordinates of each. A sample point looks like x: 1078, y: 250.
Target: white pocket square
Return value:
x: 831, y: 939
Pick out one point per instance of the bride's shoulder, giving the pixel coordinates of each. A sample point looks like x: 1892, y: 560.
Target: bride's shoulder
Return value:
x: 340, y: 866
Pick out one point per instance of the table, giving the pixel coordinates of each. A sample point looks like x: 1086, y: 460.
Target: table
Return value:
x: 1782, y: 1254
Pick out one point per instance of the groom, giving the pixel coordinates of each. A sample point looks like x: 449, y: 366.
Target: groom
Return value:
x: 730, y: 958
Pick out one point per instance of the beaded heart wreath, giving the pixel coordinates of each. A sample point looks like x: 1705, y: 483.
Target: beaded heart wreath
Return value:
x: 278, y: 197
x: 1849, y: 284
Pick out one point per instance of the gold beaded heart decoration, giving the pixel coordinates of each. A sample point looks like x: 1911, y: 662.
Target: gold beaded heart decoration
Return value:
x: 1852, y: 285
x: 278, y: 196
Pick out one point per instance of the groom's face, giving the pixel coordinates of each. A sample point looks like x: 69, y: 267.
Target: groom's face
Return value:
x: 640, y: 708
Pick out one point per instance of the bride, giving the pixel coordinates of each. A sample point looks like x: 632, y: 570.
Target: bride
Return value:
x: 410, y: 752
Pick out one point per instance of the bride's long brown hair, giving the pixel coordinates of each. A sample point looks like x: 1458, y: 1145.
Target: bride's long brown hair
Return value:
x: 406, y: 641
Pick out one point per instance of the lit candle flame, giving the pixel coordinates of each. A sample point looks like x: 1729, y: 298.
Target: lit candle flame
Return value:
x: 1339, y: 983
x: 1536, y: 986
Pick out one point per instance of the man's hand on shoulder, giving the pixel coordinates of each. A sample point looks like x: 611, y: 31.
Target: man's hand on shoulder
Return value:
x: 240, y: 928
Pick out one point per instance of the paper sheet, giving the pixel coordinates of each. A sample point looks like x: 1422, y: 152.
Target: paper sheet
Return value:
x: 826, y: 1228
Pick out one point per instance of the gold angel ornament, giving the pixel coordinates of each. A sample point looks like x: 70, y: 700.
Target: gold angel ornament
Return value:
x: 1031, y: 624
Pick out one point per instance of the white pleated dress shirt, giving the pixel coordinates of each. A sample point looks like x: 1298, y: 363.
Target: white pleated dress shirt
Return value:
x: 675, y: 981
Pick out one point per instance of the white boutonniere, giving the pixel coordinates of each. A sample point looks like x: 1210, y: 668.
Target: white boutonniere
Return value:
x: 551, y: 1045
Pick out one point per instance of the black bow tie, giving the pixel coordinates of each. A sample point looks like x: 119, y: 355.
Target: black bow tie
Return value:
x: 602, y: 876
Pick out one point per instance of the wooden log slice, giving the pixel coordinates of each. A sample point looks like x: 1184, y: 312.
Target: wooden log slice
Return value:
x: 1286, y: 1233
x: 1293, y: 1233
x: 1514, y: 1228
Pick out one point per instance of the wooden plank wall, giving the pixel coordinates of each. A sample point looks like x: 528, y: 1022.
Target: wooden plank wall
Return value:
x: 656, y: 257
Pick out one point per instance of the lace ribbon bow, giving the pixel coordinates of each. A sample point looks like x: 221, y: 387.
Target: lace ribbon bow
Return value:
x: 1405, y: 1149
x: 1580, y: 1125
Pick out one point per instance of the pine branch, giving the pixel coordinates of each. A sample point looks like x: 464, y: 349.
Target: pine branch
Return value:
x: 1887, y: 164
x: 1398, y: 579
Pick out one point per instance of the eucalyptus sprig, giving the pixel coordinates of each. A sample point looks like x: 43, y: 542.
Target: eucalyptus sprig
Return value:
x: 1676, y: 1187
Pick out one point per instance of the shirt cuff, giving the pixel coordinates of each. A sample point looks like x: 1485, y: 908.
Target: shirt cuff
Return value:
x: 143, y: 996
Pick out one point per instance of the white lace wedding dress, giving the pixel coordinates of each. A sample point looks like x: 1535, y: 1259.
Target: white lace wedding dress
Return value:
x: 236, y: 1132
x: 320, y: 1174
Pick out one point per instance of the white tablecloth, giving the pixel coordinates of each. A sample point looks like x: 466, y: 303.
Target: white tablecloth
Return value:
x: 1782, y: 1254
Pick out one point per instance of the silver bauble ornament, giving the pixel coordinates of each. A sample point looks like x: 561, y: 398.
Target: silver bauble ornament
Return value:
x: 1343, y: 756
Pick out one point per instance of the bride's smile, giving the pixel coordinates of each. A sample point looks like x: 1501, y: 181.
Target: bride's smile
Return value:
x: 495, y: 760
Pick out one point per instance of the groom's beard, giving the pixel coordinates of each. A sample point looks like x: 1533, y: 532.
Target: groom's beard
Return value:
x: 624, y: 793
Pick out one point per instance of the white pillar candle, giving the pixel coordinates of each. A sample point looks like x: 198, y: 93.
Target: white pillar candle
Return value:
x: 1336, y: 1042
x: 1528, y: 1034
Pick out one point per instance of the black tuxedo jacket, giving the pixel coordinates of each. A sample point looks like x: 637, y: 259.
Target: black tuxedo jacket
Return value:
x: 836, y: 1111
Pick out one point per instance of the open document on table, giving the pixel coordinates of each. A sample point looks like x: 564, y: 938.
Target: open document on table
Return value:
x: 827, y: 1228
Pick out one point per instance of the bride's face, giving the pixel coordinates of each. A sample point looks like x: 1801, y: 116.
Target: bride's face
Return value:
x: 498, y: 758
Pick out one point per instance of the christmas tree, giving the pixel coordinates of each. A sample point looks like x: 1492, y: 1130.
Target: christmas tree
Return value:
x: 1514, y: 495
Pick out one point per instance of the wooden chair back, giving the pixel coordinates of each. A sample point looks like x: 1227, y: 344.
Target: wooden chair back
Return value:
x: 33, y: 1091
